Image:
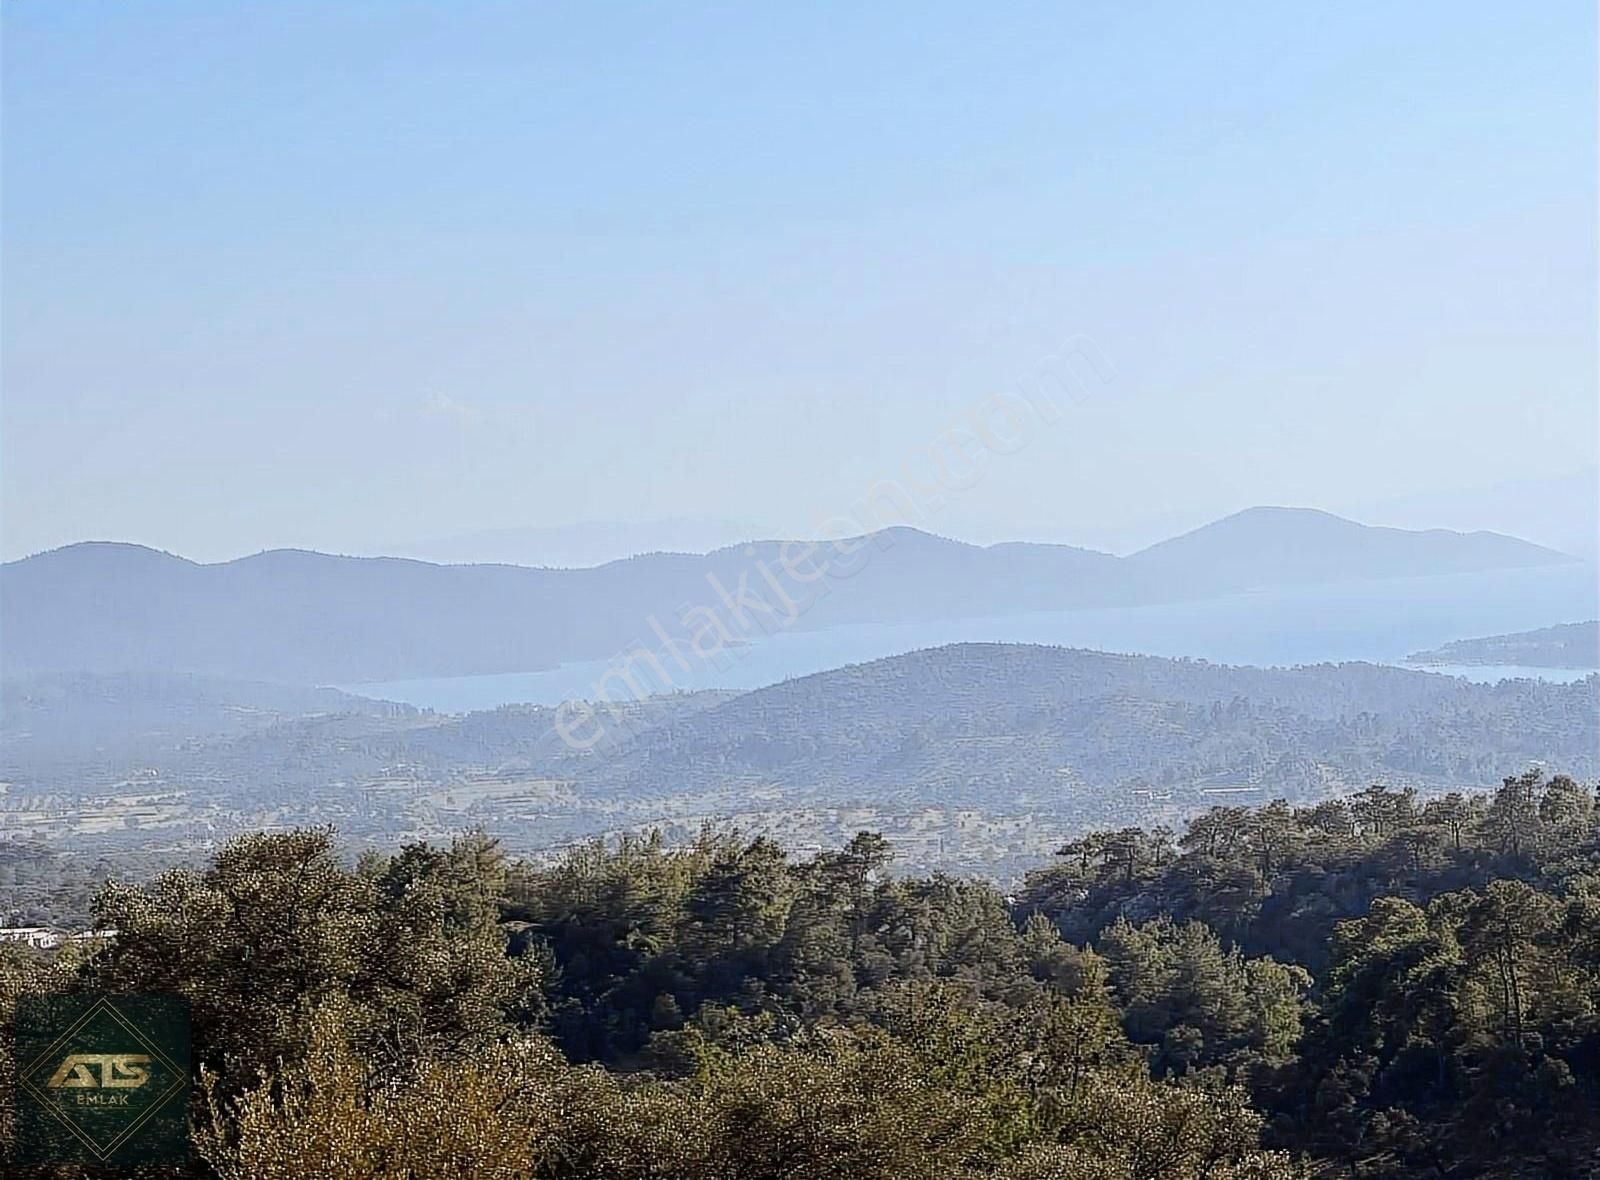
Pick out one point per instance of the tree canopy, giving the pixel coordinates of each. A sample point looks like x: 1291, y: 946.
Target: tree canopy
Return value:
x: 1378, y: 986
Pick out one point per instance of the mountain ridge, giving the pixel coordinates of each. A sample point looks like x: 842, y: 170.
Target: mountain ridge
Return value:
x: 301, y: 616
x: 1256, y: 512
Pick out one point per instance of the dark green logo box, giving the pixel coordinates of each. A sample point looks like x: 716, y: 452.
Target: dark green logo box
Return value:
x: 102, y: 1079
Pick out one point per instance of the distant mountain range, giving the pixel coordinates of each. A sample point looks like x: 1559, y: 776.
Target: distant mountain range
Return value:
x: 1566, y: 645
x: 313, y: 618
x: 574, y: 546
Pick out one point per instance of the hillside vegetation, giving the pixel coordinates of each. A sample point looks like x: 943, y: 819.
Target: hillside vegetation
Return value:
x: 1376, y: 987
x: 972, y: 757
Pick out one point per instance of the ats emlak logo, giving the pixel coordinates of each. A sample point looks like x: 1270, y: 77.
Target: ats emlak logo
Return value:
x: 102, y: 1078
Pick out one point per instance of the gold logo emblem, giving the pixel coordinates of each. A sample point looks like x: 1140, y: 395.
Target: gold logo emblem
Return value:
x: 117, y: 1071
x: 103, y: 1076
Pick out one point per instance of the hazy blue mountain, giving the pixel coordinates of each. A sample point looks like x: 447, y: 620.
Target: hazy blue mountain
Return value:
x: 282, y: 615
x: 1566, y: 645
x: 306, y: 617
x: 1286, y: 546
x: 311, y: 617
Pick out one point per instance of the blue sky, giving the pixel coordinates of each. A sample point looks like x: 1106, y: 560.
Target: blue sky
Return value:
x: 335, y: 275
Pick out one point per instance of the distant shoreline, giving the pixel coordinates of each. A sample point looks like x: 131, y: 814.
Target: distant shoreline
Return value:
x: 1565, y: 645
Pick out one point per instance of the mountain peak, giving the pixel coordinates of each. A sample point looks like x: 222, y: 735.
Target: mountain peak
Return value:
x: 1285, y: 512
x: 107, y: 553
x: 1284, y: 544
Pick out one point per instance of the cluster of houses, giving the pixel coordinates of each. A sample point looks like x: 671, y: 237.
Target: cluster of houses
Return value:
x: 44, y: 938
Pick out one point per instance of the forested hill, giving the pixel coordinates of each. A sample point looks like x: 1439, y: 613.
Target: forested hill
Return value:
x: 1031, y: 724
x: 1024, y: 742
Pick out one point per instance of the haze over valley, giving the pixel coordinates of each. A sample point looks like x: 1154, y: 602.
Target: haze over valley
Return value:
x: 804, y: 690
x: 799, y: 592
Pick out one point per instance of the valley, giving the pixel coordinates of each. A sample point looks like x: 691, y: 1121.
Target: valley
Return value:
x: 971, y: 758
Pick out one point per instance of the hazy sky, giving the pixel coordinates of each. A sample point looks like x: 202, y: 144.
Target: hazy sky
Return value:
x: 335, y: 274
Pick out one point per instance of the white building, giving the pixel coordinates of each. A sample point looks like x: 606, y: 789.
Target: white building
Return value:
x: 36, y: 936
